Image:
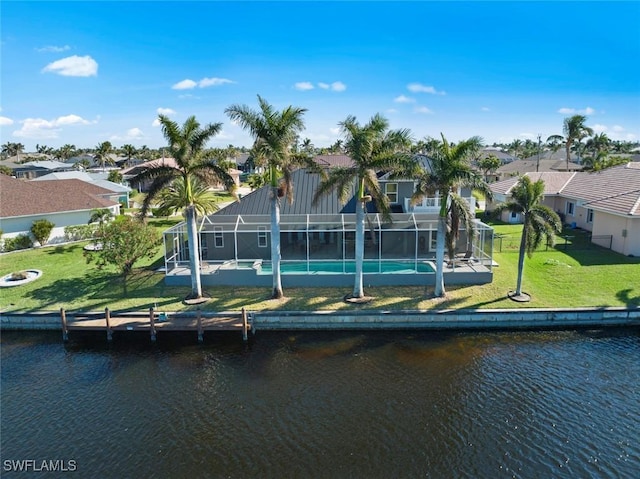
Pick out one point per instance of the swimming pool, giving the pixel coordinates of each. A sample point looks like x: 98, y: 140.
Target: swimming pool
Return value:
x: 348, y: 267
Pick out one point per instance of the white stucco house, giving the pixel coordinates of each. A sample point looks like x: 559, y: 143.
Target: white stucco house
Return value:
x: 63, y: 202
x: 605, y: 203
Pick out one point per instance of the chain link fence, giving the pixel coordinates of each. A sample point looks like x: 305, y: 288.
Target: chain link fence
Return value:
x: 571, y: 239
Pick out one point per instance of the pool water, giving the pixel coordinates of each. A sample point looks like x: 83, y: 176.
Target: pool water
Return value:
x: 349, y: 267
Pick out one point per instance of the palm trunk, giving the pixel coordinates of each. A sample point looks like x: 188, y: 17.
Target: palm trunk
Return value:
x: 439, y: 291
x: 523, y: 246
x: 194, y: 253
x: 275, y: 244
x: 358, y: 290
x: 568, y: 150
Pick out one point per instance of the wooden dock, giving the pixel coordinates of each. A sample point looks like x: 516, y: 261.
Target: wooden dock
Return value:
x: 153, y: 321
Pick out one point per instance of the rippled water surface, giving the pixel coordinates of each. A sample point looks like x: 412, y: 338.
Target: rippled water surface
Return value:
x: 490, y: 405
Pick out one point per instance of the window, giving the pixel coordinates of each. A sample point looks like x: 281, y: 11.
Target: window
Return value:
x: 589, y: 216
x: 570, y: 208
x: 262, y: 236
x: 218, y: 237
x: 391, y: 190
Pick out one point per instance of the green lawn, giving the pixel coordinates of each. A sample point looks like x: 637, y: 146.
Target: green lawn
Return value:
x: 573, y: 277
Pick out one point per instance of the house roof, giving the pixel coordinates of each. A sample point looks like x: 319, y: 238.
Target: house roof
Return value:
x: 86, y: 177
x: 137, y: 169
x: 333, y: 161
x: 531, y: 164
x: 614, y: 190
x: 305, y: 183
x: 24, y: 198
x: 48, y: 165
x: 554, y: 182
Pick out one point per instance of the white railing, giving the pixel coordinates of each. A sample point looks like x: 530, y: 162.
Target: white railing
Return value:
x: 432, y: 205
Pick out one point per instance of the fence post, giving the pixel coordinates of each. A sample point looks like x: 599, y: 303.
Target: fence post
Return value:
x: 107, y: 318
x: 152, y: 324
x: 63, y: 318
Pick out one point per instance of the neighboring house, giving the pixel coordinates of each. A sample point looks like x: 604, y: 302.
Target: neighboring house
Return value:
x: 548, y: 161
x: 606, y: 203
x: 333, y: 161
x: 35, y: 169
x: 120, y: 193
x: 130, y: 173
x: 324, y: 231
x: 63, y: 202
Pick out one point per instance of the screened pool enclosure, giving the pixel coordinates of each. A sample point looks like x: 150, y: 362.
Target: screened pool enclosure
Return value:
x: 319, y: 250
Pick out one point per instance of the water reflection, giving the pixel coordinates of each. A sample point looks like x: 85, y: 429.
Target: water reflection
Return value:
x: 405, y: 404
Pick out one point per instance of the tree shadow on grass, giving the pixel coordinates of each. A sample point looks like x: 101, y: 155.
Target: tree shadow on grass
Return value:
x: 625, y: 296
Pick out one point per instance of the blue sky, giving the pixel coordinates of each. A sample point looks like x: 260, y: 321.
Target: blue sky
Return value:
x: 86, y: 72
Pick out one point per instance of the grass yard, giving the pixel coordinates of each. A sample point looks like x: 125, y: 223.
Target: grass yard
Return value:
x: 575, y: 277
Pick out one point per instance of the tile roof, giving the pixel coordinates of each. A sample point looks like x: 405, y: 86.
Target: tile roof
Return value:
x: 333, y: 161
x: 530, y: 165
x: 86, y: 177
x: 23, y: 198
x: 554, y: 182
x: 614, y: 190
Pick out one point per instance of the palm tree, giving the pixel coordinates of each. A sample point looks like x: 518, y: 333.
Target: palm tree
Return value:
x: 450, y: 169
x: 129, y: 151
x: 186, y: 145
x: 174, y: 198
x: 574, y: 130
x: 66, y: 151
x: 103, y: 153
x: 102, y: 217
x: 600, y: 143
x: 274, y: 134
x: 372, y: 148
x: 540, y: 222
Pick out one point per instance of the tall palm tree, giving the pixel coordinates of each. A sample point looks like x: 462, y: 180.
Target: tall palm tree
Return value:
x: 574, y: 130
x: 540, y: 222
x: 129, y: 151
x: 274, y: 134
x: 66, y: 151
x: 103, y: 153
x: 186, y: 146
x: 599, y: 143
x: 372, y: 148
x: 449, y: 170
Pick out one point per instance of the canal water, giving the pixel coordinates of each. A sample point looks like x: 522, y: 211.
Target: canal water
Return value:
x: 326, y: 405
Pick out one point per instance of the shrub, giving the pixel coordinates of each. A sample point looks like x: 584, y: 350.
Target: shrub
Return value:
x: 82, y: 232
x: 41, y: 230
x: 18, y: 276
x: 22, y: 241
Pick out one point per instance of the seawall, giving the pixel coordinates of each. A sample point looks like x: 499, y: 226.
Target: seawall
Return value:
x: 460, y: 319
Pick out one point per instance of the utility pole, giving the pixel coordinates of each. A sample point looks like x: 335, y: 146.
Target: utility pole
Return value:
x: 538, y: 162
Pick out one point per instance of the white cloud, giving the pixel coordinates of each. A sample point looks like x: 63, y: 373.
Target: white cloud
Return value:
x: 184, y: 85
x: 420, y: 88
x: 71, y: 120
x: 303, y: 86
x: 404, y: 99
x: 334, y: 131
x: 189, y: 84
x: 573, y: 111
x: 54, y: 49
x: 335, y: 86
x: 485, y: 108
x: 392, y: 110
x: 528, y: 136
x: 617, y: 128
x: 156, y: 122
x: 5, y: 121
x: 74, y: 66
x: 205, y: 82
x: 40, y: 129
x: 165, y: 111
x: 131, y: 134
x: 422, y: 109
x: 597, y: 128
